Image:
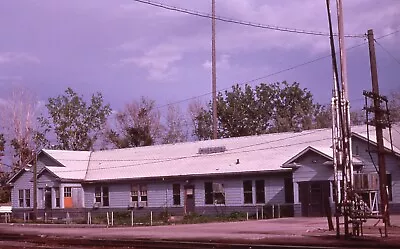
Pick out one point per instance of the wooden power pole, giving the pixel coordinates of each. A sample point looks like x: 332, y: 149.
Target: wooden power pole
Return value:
x: 214, y: 75
x: 380, y: 124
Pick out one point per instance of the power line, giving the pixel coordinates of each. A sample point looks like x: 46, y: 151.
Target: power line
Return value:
x: 271, y: 74
x: 240, y: 22
x: 394, y: 58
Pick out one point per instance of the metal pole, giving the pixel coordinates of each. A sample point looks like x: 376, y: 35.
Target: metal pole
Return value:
x: 379, y: 125
x: 214, y: 75
x: 347, y: 170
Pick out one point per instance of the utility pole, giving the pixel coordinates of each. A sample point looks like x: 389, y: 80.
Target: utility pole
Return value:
x: 347, y: 169
x: 380, y: 124
x: 214, y: 75
x: 35, y: 195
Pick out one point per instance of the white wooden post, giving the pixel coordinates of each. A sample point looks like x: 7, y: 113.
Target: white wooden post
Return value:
x: 247, y: 216
x: 151, y: 218
x: 112, y: 218
x: 132, y: 218
x: 108, y: 220
x: 273, y: 211
x: 257, y: 212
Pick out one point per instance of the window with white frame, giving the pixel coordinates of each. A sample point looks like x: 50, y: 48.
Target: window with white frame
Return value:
x: 139, y: 194
x: 27, y: 197
x: 214, y: 193
x: 101, y: 195
x: 57, y: 196
x: 21, y: 198
x: 67, y: 191
x: 248, y: 192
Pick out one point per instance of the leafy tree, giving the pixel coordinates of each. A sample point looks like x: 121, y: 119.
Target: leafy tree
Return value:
x: 322, y: 116
x: 277, y: 107
x: 175, y: 127
x: 137, y: 125
x: 357, y: 117
x: 293, y: 107
x: 75, y: 123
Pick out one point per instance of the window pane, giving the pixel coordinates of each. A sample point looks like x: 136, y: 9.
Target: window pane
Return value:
x: 67, y: 192
x: 21, y: 197
x: 208, y: 193
x: 27, y: 197
x: 260, y: 191
x: 247, y: 192
x: 105, y: 202
x: 176, y: 189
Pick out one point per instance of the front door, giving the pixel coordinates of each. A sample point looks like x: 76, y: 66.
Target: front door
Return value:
x: 314, y: 197
x: 47, y: 198
x: 189, y: 199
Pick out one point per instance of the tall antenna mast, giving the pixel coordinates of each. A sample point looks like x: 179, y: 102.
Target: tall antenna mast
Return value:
x: 214, y: 75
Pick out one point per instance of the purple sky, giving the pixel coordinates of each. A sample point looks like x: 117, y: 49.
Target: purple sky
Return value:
x: 126, y: 49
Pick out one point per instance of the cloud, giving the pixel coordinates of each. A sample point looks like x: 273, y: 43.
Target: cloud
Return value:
x: 222, y: 63
x: 158, y: 61
x: 17, y: 58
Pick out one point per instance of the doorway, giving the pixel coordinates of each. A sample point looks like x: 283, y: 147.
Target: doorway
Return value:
x: 47, y: 198
x: 314, y: 198
x: 189, y: 199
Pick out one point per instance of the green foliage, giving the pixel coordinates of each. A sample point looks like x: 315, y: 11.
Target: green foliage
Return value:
x: 137, y: 125
x: 277, y: 107
x: 75, y: 123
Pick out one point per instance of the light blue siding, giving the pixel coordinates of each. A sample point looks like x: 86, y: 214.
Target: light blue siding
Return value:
x: 24, y: 181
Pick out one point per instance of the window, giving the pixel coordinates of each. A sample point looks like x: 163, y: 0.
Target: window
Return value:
x: 139, y: 194
x: 27, y: 197
x: 389, y: 187
x: 214, y: 193
x: 208, y: 193
x: 143, y: 193
x: 289, y: 197
x: 248, y: 192
x: 57, y: 197
x: 260, y: 191
x: 106, y: 200
x: 101, y: 195
x: 97, y: 194
x: 176, y: 192
x: 134, y: 193
x: 21, y: 197
x: 67, y: 192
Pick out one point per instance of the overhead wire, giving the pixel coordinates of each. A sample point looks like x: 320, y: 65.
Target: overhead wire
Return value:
x: 384, y: 49
x: 273, y: 74
x: 241, y: 22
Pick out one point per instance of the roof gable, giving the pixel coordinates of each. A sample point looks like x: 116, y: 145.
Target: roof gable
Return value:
x: 304, y: 153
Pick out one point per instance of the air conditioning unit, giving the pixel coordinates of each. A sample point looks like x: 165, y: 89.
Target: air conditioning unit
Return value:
x: 133, y: 204
x: 142, y: 204
x: 96, y: 205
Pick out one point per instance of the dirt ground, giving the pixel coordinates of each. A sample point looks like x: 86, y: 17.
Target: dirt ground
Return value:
x: 284, y: 231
